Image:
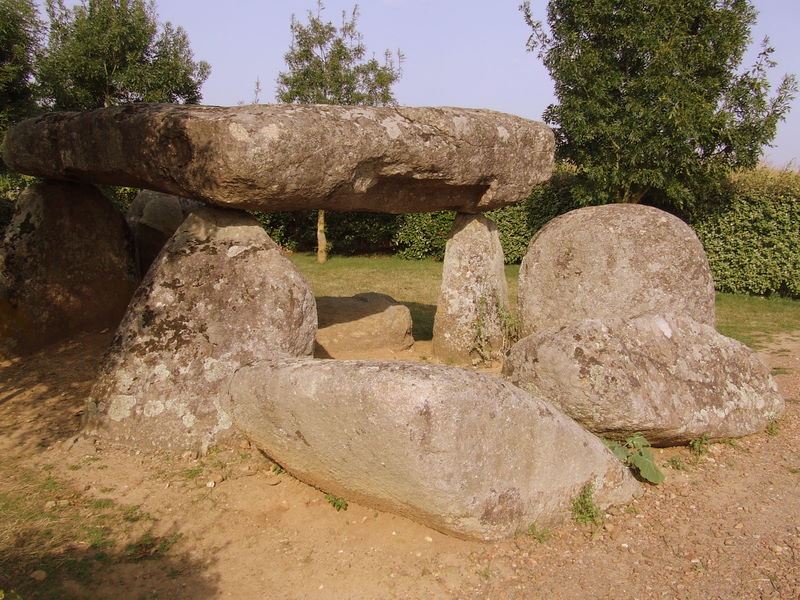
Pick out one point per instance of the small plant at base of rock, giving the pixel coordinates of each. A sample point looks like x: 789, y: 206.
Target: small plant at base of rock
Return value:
x: 699, y: 446
x: 773, y: 428
x: 336, y: 502
x: 634, y: 453
x: 277, y: 469
x: 540, y: 535
x: 676, y: 462
x: 509, y: 326
x: 584, y: 510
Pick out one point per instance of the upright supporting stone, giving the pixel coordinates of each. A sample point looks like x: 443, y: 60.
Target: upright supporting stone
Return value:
x: 153, y: 217
x: 220, y: 295
x: 66, y: 265
x: 474, y: 297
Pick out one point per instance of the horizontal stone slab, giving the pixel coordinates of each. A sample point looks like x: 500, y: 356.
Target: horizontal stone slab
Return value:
x: 294, y: 157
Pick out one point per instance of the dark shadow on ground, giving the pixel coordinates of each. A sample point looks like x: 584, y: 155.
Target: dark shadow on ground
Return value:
x: 43, y: 395
x: 131, y: 573
x: 422, y: 317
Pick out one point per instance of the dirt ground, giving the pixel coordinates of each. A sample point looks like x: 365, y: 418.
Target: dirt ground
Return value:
x: 726, y: 527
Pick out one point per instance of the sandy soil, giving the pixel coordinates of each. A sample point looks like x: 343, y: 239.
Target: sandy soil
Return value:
x: 728, y: 527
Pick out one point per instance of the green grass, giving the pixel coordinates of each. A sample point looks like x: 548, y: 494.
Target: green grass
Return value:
x: 46, y: 525
x: 414, y: 283
x: 749, y: 319
x: 755, y: 320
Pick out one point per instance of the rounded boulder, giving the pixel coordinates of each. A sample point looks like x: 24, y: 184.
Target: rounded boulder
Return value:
x: 617, y: 260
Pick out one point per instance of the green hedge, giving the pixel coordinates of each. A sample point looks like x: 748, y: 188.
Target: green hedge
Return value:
x: 346, y: 232
x: 752, y: 234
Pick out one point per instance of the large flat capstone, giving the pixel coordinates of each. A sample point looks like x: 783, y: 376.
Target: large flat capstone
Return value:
x: 462, y: 452
x: 294, y: 157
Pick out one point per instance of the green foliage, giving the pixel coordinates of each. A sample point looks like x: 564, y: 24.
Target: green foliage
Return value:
x: 773, y: 428
x: 336, y: 502
x: 676, y: 463
x: 751, y: 234
x: 584, y: 510
x: 651, y: 104
x: 20, y: 38
x: 634, y: 453
x: 107, y: 52
x: 352, y: 233
x: 699, y: 446
x: 540, y: 535
x: 423, y: 235
x: 326, y: 65
x: 20, y: 33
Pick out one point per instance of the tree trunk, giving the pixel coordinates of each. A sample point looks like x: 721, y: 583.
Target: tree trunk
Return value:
x: 322, y: 243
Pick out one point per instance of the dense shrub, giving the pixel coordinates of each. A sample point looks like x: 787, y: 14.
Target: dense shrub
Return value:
x: 752, y: 234
x: 346, y: 232
x: 423, y: 235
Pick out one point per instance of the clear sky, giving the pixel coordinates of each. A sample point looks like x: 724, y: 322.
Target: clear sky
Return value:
x: 468, y: 53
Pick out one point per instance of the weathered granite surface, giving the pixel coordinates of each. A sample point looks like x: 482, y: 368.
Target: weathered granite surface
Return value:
x: 463, y: 452
x: 294, y: 157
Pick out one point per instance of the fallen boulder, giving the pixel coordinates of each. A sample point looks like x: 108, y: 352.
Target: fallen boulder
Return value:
x: 462, y: 452
x: 473, y: 298
x: 220, y: 295
x: 295, y: 157
x: 66, y: 266
x: 669, y: 377
x: 618, y: 260
x: 364, y: 322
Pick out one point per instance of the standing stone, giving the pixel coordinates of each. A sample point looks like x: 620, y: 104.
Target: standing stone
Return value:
x: 66, y: 266
x: 295, y: 157
x: 220, y: 295
x: 463, y: 452
x: 473, y: 300
x: 364, y: 322
x: 618, y: 260
x: 153, y: 217
x: 669, y: 377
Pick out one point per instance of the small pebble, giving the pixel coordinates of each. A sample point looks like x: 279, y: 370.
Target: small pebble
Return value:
x: 39, y: 575
x: 428, y: 538
x: 211, y: 484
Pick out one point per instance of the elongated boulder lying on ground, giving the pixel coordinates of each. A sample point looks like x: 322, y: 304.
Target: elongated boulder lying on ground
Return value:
x: 459, y: 451
x: 220, y: 295
x: 66, y: 266
x: 473, y: 298
x: 618, y: 260
x: 295, y: 157
x: 366, y: 321
x: 668, y: 376
x: 153, y: 217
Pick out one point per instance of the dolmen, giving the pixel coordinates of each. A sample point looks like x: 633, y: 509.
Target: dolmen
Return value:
x: 218, y: 338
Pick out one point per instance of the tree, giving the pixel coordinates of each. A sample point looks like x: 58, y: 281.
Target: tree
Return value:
x: 108, y: 52
x: 326, y: 65
x: 651, y: 104
x: 20, y: 33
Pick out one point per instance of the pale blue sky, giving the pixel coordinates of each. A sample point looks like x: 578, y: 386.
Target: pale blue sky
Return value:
x: 468, y: 53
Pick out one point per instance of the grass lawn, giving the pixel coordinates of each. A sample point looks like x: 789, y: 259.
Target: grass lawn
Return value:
x: 415, y: 283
